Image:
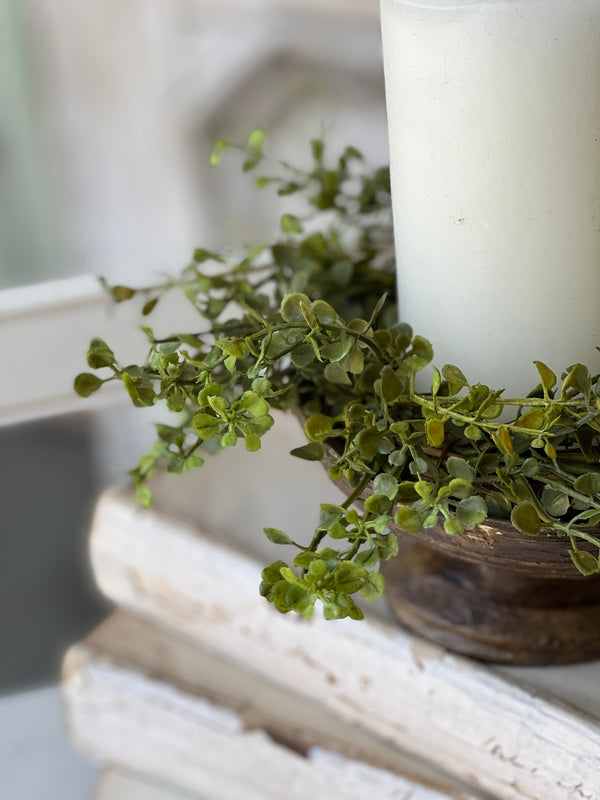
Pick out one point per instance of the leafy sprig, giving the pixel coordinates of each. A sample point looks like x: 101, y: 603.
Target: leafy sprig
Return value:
x: 308, y: 324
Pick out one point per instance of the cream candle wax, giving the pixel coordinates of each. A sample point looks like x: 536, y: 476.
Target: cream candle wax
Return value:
x: 494, y: 119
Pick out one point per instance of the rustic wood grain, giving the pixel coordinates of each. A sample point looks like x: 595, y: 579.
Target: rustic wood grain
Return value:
x: 120, y: 714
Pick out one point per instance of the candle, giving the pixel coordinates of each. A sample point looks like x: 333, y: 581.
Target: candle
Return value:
x: 494, y: 120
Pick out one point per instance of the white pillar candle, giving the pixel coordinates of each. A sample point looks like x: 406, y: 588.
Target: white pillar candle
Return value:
x: 494, y: 119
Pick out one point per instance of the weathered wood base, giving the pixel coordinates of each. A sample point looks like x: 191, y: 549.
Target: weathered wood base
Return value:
x: 494, y: 613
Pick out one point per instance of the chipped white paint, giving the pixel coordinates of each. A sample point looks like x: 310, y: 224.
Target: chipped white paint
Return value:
x: 121, y: 715
x: 201, y: 671
x: 492, y: 733
x: 119, y: 785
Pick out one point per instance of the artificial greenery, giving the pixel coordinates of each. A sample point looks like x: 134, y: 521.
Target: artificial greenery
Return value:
x: 308, y: 325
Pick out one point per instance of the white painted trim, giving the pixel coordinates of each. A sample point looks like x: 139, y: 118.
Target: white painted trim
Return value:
x: 45, y: 330
x: 51, y: 296
x: 342, y: 9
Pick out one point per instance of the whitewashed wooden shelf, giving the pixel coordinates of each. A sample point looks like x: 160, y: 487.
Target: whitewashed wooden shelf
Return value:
x: 367, y: 693
x: 120, y: 785
x: 133, y: 712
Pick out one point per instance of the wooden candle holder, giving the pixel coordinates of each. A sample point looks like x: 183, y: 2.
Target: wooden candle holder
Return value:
x: 494, y: 594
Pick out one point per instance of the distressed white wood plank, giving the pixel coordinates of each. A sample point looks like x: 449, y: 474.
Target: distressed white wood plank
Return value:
x: 262, y: 703
x: 120, y: 785
x: 123, y: 716
x: 474, y: 724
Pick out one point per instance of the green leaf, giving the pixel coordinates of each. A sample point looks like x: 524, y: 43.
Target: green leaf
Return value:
x: 276, y: 536
x: 335, y: 373
x: 367, y: 558
x: 99, y: 354
x: 391, y: 384
x: 420, y: 354
x: 472, y: 511
x: 454, y: 526
x: 525, y: 518
x: 303, y: 356
x: 473, y: 433
x: 585, y: 562
x: 555, y: 502
x: 143, y: 495
x: 336, y: 351
x: 354, y: 361
x: 252, y: 442
x: 290, y: 224
x: 288, y: 575
x: 149, y: 306
x: 318, y: 427
x: 272, y: 574
x: 348, y: 577
x: 194, y: 461
x: 530, y: 468
x: 367, y: 442
x: 291, y: 307
x: 503, y: 440
x: 373, y: 586
x: 387, y: 546
x: 458, y: 487
x: 397, y: 458
x: 255, y: 141
x: 233, y: 347
x: 532, y: 419
x: 455, y: 378
x: 409, y: 520
x: 326, y: 314
x: 309, y: 316
x: 424, y: 489
x: 86, y: 384
x: 206, y: 426
x: 253, y: 404
x: 317, y: 147
x: 217, y: 152
x: 459, y: 468
x: 132, y: 389
x: 309, y: 452
x: 229, y: 438
x: 435, y: 432
x: 378, y: 504
x: 277, y: 594
x: 201, y: 255
x: 578, y: 378
x: 547, y: 377
x: 588, y: 484
x: 122, y: 293
x: 301, y: 601
x: 261, y: 386
x: 437, y: 381
x: 386, y: 484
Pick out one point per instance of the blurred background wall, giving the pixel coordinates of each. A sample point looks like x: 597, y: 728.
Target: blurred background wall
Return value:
x: 108, y: 112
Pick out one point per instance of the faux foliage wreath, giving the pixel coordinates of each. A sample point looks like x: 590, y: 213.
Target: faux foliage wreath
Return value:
x: 308, y: 324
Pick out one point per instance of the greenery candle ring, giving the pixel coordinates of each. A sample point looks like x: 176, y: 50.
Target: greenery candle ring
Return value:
x: 308, y: 324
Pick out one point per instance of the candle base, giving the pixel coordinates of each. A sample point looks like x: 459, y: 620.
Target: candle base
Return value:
x: 493, y: 593
x: 504, y: 614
